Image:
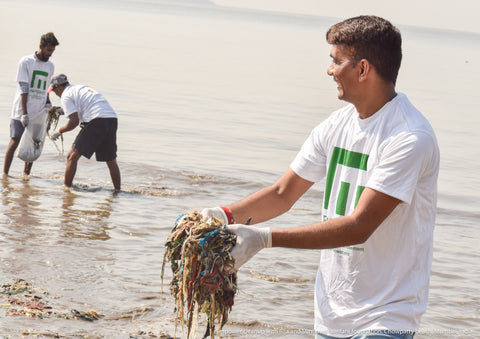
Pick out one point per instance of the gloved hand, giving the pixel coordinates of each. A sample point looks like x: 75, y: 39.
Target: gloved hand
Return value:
x: 250, y: 240
x: 55, y: 135
x: 24, y: 120
x: 221, y: 213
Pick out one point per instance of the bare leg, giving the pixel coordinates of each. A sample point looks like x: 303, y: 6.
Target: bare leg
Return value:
x: 28, y: 168
x: 12, y: 146
x: 114, y: 173
x: 71, y: 169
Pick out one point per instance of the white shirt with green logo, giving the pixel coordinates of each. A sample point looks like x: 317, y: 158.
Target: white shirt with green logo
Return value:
x: 382, y: 283
x: 37, y: 74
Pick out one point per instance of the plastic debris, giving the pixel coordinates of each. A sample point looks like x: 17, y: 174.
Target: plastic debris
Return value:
x: 23, y: 300
x: 204, y: 279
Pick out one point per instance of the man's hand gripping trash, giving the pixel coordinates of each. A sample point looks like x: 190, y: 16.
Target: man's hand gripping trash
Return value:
x: 250, y: 239
x: 52, y: 121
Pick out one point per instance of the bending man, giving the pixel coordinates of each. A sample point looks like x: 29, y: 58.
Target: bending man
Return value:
x: 98, y: 121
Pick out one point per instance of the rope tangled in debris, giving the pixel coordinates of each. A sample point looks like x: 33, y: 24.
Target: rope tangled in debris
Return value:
x: 53, y: 117
x: 204, y: 279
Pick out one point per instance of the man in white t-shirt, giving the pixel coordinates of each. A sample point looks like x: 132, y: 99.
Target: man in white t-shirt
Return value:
x: 33, y: 78
x: 86, y: 107
x: 380, y: 159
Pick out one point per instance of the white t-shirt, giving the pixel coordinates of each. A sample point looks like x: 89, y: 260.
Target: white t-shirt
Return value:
x: 37, y: 74
x: 382, y: 283
x: 88, y: 103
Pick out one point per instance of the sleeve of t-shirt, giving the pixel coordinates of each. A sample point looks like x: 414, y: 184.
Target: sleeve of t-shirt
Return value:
x: 22, y: 74
x: 68, y: 104
x: 402, y: 163
x: 310, y: 161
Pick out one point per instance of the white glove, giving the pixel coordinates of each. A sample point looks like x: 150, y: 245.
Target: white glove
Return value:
x: 250, y: 240
x: 217, y: 212
x: 55, y: 135
x: 24, y: 120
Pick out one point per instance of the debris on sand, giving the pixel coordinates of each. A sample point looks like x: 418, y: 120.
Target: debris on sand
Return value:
x: 24, y: 300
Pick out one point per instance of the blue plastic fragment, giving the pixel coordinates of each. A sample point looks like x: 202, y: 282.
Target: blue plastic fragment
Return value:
x: 202, y: 241
x: 179, y: 217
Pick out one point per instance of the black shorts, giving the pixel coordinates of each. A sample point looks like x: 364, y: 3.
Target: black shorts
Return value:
x: 98, y: 136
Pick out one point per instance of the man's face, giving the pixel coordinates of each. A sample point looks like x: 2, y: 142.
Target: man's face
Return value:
x: 344, y: 73
x: 45, y: 52
x: 58, y: 90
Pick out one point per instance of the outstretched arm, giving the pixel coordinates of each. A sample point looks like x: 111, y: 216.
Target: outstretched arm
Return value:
x: 372, y: 209
x: 73, y: 122
x: 272, y: 201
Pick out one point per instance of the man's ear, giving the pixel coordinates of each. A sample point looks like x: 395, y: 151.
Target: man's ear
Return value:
x: 365, y: 68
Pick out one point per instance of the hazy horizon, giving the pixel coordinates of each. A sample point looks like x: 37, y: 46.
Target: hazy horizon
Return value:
x: 428, y: 13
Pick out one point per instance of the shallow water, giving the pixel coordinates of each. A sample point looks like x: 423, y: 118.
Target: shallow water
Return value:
x: 213, y: 104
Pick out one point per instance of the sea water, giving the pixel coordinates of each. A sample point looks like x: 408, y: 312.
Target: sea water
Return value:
x: 213, y: 104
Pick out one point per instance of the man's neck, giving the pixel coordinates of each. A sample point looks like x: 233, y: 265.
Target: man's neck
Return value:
x: 371, y: 104
x: 38, y: 54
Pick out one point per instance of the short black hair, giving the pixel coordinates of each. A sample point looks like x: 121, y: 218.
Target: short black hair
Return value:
x: 48, y: 39
x: 372, y: 38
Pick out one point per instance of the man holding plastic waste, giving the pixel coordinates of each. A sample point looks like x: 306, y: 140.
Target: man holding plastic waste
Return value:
x: 84, y: 106
x: 31, y: 103
x: 380, y: 161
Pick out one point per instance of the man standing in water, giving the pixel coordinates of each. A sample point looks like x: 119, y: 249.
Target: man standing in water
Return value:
x: 380, y: 158
x: 98, y: 121
x: 33, y: 77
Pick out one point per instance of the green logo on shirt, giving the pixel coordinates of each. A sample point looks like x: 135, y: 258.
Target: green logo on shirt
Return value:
x: 346, y: 158
x: 38, y: 80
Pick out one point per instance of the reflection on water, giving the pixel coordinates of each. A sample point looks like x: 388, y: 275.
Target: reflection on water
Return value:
x: 22, y: 205
x: 217, y: 110
x: 89, y: 222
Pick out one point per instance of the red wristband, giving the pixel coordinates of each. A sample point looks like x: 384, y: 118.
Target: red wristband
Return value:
x: 229, y: 215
